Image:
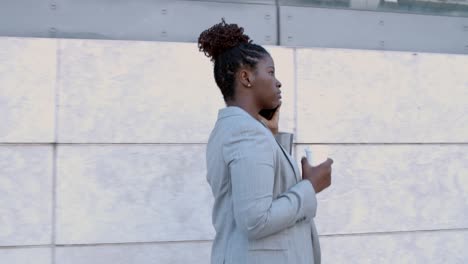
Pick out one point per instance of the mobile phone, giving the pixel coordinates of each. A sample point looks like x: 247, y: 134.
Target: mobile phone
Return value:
x: 268, y: 113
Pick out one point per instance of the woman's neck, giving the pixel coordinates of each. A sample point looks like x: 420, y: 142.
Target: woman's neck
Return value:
x: 248, y: 106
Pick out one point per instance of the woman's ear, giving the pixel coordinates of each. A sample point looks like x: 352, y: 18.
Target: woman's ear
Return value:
x: 246, y: 77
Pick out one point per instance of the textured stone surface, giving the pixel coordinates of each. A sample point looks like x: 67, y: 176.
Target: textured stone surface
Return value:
x: 27, y: 89
x: 413, y: 247
x: 372, y: 96
x: 137, y: 92
x: 118, y: 91
x: 406, y: 248
x: 378, y: 188
x: 25, y: 255
x: 128, y: 193
x: 25, y: 194
x: 174, y: 253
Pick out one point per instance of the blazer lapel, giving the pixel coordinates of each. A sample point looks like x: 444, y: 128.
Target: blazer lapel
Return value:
x: 285, y: 154
x: 289, y: 160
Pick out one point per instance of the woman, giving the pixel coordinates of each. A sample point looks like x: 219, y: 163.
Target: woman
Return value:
x: 263, y: 209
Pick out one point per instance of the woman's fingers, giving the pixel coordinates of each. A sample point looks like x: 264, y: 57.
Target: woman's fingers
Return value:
x: 276, y: 114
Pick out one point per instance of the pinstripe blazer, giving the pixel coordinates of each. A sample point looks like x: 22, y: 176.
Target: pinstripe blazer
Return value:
x: 263, y: 211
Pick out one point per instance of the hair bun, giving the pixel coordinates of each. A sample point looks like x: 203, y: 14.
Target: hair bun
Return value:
x: 220, y: 38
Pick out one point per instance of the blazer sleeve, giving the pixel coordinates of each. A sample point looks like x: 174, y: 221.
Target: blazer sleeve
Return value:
x: 250, y: 159
x: 286, y: 140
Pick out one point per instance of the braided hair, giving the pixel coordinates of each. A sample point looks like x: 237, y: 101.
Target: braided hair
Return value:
x: 229, y: 48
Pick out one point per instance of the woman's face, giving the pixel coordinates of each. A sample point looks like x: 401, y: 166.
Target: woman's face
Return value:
x: 266, y: 86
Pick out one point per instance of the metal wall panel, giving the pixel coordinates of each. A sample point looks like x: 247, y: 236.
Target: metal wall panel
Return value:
x: 454, y: 8
x: 266, y: 2
x: 180, y: 21
x: 26, y: 18
x: 334, y: 28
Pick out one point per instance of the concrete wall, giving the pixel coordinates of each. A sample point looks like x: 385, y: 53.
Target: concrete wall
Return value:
x: 103, y: 143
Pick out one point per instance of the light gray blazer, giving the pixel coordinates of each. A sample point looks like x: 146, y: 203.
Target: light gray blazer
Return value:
x: 263, y: 211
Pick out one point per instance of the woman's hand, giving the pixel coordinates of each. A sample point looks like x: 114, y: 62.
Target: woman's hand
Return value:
x: 319, y: 176
x: 273, y: 123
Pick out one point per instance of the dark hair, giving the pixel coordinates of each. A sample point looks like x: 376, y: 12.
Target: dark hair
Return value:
x: 229, y: 48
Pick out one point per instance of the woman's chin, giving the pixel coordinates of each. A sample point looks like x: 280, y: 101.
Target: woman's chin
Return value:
x: 274, y: 104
